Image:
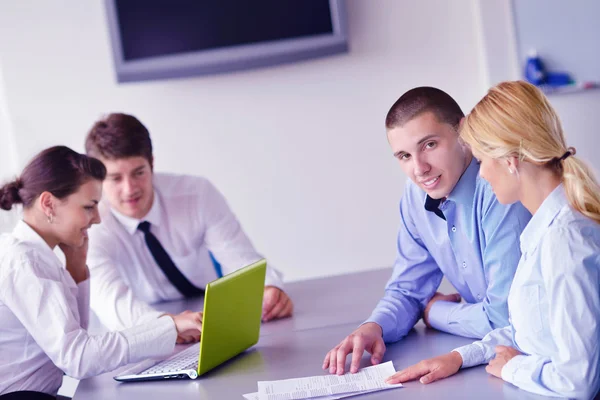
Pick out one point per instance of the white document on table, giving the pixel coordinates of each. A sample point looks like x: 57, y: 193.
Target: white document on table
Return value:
x: 255, y: 396
x: 367, y: 379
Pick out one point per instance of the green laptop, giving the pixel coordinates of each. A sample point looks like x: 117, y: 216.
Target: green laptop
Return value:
x: 230, y: 325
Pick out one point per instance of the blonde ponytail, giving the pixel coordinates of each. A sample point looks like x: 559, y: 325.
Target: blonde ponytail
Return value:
x: 581, y: 188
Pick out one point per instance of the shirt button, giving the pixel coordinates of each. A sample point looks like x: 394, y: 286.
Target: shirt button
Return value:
x: 479, y: 296
x: 454, y: 229
x: 464, y: 264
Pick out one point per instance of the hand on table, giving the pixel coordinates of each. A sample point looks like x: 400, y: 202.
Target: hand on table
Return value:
x: 189, y: 326
x: 276, y: 304
x: 429, y: 370
x: 503, y: 355
x: 367, y: 337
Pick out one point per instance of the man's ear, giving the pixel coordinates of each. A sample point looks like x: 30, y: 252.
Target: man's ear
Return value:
x: 47, y: 202
x: 152, y: 163
x: 460, y: 123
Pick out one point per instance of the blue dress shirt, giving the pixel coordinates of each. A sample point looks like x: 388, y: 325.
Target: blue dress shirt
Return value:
x: 554, y: 305
x: 476, y: 247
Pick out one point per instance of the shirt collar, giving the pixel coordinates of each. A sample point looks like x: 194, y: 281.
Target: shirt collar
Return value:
x: 542, y: 219
x: 131, y: 224
x: 433, y: 205
x: 23, y: 232
x: 463, y: 191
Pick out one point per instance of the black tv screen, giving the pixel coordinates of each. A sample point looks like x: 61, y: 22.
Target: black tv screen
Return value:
x: 155, y: 39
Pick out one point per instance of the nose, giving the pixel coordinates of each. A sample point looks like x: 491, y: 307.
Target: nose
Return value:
x: 421, y: 166
x: 128, y: 186
x: 96, y: 217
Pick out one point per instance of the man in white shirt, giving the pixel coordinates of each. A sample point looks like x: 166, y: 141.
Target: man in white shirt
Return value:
x: 162, y: 236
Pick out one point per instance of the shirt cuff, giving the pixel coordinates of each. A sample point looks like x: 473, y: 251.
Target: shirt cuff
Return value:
x: 472, y: 354
x: 274, y: 278
x: 387, y: 327
x: 153, y: 339
x: 438, y: 315
x: 510, y: 369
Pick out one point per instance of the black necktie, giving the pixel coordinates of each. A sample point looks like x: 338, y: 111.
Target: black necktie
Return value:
x: 166, y: 264
x: 433, y: 205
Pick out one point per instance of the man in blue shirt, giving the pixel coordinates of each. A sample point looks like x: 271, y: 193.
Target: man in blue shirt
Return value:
x: 450, y: 225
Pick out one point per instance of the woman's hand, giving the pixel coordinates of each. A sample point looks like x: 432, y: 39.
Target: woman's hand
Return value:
x: 76, y: 258
x: 429, y: 370
x: 503, y: 355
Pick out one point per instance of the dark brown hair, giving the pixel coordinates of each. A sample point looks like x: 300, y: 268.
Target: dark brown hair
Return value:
x: 421, y: 100
x: 58, y: 170
x: 119, y: 136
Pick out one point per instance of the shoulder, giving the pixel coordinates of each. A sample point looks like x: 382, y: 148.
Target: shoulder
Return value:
x: 571, y: 229
x: 490, y: 208
x: 17, y: 256
x: 570, y: 244
x: 485, y: 195
x: 413, y: 195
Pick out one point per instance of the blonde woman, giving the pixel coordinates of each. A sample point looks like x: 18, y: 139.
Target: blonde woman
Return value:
x: 551, y: 346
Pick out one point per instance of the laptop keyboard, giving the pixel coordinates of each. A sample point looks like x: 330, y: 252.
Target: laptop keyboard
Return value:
x: 187, y: 359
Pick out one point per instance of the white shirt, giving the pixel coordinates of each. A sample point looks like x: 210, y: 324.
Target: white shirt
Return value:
x: 190, y: 218
x: 44, y: 316
x: 554, y: 306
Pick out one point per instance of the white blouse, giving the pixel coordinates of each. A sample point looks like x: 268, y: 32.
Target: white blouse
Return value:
x: 44, y: 317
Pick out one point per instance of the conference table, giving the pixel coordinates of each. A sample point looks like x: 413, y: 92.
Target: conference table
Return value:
x: 326, y: 310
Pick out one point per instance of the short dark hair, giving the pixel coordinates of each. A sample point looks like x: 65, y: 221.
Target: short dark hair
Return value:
x: 421, y: 100
x: 117, y: 136
x: 58, y: 170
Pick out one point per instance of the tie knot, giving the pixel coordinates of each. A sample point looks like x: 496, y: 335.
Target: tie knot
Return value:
x: 144, y: 226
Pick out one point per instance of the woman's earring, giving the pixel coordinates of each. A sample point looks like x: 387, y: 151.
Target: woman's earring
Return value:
x: 50, y: 218
x: 512, y: 171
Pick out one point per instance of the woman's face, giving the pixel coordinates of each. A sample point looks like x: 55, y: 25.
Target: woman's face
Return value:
x: 497, y: 172
x: 76, y: 213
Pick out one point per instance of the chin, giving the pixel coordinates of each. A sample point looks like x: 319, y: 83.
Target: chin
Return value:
x: 128, y: 211
x: 437, y: 193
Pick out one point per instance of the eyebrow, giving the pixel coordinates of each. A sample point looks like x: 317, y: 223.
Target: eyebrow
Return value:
x: 426, y: 138
x: 141, y: 167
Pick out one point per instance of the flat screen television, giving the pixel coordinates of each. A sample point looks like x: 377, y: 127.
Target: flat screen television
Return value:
x: 158, y: 39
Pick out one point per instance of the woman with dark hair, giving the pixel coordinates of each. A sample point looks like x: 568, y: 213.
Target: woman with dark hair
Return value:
x: 44, y: 306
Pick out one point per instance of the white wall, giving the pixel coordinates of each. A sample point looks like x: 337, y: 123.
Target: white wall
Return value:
x: 579, y: 112
x: 8, y: 157
x: 299, y: 150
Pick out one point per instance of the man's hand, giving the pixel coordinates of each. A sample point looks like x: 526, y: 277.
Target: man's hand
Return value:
x: 455, y: 298
x: 503, y: 355
x: 76, y: 260
x: 429, y: 370
x: 189, y: 326
x: 367, y: 337
x: 276, y: 304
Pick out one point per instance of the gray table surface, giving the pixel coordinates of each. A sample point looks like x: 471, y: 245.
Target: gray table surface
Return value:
x: 326, y: 310
x: 317, y: 302
x: 300, y: 353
